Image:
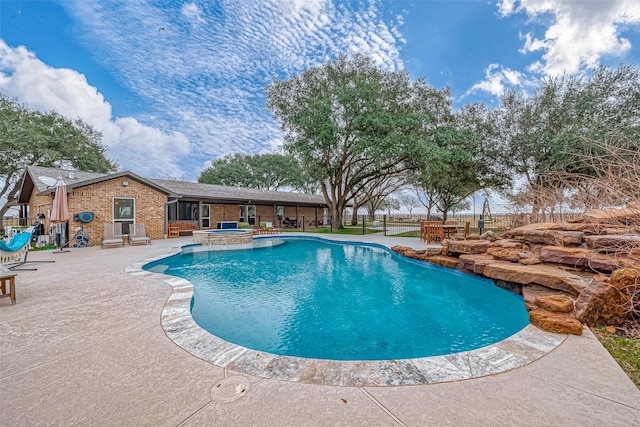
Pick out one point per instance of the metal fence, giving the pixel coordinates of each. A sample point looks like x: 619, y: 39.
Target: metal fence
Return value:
x: 394, y: 225
x: 409, y: 225
x: 44, y: 232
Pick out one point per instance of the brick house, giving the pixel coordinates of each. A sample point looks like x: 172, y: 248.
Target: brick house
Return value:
x: 129, y: 198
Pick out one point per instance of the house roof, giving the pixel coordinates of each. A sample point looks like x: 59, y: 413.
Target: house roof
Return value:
x: 43, y: 178
x: 237, y: 194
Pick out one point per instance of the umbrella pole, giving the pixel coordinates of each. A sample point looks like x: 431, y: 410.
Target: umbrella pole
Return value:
x: 60, y: 240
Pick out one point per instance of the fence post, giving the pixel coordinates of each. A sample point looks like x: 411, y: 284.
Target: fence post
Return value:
x: 303, y: 223
x: 363, y: 225
x: 384, y: 225
x: 331, y: 223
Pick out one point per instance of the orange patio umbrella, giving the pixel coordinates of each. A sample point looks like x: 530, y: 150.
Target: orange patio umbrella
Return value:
x: 60, y: 212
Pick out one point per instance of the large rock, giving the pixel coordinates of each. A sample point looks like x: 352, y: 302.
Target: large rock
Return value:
x: 621, y: 243
x: 510, y: 234
x: 444, y: 261
x: 401, y: 249
x: 631, y: 261
x: 555, y: 303
x: 545, y: 275
x: 547, y: 235
x: 578, y: 257
x: 489, y: 235
x: 468, y: 246
x: 475, y: 262
x: 419, y: 254
x: 507, y: 249
x: 561, y: 323
x: 585, y: 228
x: 612, y: 215
x: 528, y: 258
x: 626, y: 280
x: 433, y: 251
x: 531, y: 292
x: 600, y: 304
x: 602, y: 230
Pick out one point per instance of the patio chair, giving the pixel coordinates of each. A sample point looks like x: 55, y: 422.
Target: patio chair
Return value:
x: 465, y: 232
x: 433, y: 230
x: 290, y: 222
x: 138, y: 235
x: 110, y: 236
x: 173, y: 231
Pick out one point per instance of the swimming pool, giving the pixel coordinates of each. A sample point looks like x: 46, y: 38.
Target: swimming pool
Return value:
x: 330, y: 300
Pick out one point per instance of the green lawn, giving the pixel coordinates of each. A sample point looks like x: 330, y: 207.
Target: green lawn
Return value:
x: 626, y: 351
x: 346, y: 230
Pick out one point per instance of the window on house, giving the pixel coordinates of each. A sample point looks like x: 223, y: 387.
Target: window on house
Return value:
x: 188, y: 211
x: 251, y: 214
x: 205, y: 216
x: 124, y: 211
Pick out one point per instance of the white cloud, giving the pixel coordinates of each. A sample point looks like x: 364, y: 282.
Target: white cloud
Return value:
x: 580, y: 33
x: 497, y: 79
x: 142, y: 149
x: 202, y: 78
x: 192, y: 12
x: 208, y: 81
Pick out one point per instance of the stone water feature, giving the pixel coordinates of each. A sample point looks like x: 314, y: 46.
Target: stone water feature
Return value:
x: 583, y: 272
x: 223, y: 237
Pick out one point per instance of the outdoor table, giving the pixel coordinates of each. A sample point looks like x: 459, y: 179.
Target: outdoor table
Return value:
x: 7, y: 275
x: 450, y: 229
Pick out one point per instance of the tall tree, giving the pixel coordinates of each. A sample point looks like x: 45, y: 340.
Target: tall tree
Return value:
x: 29, y: 137
x: 375, y: 191
x: 263, y: 171
x: 389, y: 204
x: 373, y: 197
x: 409, y: 201
x: 462, y: 162
x: 551, y: 135
x: 349, y: 122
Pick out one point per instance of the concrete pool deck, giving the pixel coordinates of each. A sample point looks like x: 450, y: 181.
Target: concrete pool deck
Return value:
x: 84, y: 345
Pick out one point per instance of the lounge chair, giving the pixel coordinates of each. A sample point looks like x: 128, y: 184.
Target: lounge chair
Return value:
x: 14, y: 253
x: 110, y: 236
x: 138, y: 235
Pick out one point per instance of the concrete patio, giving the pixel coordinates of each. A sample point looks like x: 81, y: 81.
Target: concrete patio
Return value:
x: 84, y: 345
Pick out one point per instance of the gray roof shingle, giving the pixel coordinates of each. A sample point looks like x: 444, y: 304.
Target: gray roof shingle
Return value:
x: 185, y: 189
x: 237, y: 194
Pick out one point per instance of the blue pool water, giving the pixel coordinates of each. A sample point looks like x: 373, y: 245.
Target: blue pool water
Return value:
x: 328, y: 300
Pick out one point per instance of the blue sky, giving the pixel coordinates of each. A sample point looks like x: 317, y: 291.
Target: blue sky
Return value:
x: 175, y: 84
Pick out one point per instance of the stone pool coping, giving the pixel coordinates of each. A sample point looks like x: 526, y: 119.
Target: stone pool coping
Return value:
x: 522, y: 348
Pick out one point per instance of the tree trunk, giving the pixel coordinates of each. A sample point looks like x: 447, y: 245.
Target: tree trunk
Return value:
x: 354, y: 215
x: 336, y: 214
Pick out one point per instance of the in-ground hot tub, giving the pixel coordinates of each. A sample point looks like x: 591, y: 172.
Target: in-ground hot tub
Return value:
x: 223, y: 237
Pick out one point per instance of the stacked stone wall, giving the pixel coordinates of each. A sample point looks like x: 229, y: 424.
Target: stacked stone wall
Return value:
x: 571, y: 261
